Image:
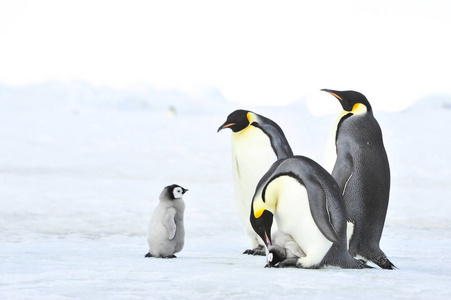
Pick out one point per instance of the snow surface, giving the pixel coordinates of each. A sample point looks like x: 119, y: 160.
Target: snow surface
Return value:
x: 79, y: 181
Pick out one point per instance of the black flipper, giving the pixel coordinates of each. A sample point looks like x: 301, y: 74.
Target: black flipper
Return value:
x: 343, y: 170
x: 318, y: 208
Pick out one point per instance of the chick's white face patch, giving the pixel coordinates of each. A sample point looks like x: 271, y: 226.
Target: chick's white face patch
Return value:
x: 270, y: 257
x: 177, y: 192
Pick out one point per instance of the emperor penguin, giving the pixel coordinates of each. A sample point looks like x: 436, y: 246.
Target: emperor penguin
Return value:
x: 363, y: 174
x: 257, y: 142
x: 307, y: 204
x: 166, y: 231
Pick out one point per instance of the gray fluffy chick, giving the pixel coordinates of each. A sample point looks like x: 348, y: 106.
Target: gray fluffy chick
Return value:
x: 284, y: 252
x: 166, y: 232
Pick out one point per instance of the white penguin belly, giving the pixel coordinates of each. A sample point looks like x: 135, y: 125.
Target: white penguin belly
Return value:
x: 293, y: 217
x: 157, y: 235
x: 252, y: 156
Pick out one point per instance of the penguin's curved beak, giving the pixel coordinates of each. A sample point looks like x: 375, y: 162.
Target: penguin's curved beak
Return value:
x: 268, y: 239
x: 225, y: 125
x: 333, y: 93
x: 184, y: 191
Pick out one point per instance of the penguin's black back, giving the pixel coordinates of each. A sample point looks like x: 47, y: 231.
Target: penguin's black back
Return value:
x: 359, y: 138
x: 279, y: 142
x: 313, y: 176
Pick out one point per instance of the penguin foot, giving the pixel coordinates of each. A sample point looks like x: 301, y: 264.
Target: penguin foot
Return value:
x: 259, y: 250
x: 354, y: 263
x: 255, y: 252
x: 150, y: 255
x: 362, y: 265
x: 351, y: 263
x: 287, y: 263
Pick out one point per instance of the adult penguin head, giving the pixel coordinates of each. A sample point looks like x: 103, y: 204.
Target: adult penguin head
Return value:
x: 262, y: 223
x: 238, y: 120
x: 350, y: 100
x: 262, y: 215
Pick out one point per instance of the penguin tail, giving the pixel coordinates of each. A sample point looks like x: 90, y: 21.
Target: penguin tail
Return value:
x: 379, y: 258
x: 339, y: 256
x: 374, y: 255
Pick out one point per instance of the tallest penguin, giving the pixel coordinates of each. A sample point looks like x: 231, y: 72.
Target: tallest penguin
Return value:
x: 257, y: 142
x: 363, y: 174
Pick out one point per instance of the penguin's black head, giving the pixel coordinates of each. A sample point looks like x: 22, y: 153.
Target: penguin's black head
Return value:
x: 173, y: 192
x: 276, y: 254
x: 262, y: 225
x: 237, y: 121
x: 348, y: 99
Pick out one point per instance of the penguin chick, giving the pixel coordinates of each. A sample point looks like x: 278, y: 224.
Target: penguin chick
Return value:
x: 257, y: 142
x: 362, y: 172
x: 284, y: 252
x: 166, y: 232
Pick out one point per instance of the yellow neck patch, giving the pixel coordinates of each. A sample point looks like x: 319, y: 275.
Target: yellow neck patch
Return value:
x: 258, y: 205
x: 259, y: 213
x: 251, y: 117
x: 271, y: 196
x: 359, y: 108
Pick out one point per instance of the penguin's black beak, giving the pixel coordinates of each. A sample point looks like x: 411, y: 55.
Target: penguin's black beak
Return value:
x: 225, y: 125
x: 184, y: 191
x: 333, y: 93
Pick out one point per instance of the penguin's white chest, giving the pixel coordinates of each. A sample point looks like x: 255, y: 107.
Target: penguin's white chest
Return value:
x: 252, y: 155
x: 292, y: 209
x: 294, y: 217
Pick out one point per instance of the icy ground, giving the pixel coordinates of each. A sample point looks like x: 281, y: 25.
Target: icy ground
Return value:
x: 78, y: 185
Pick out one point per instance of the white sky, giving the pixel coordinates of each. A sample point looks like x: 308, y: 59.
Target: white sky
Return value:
x: 255, y: 52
